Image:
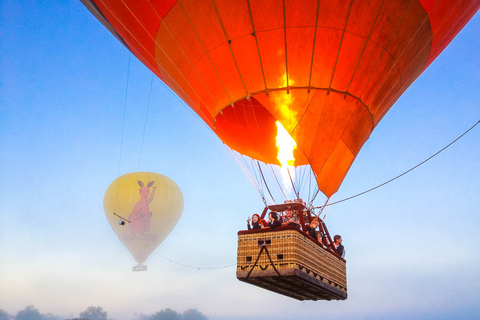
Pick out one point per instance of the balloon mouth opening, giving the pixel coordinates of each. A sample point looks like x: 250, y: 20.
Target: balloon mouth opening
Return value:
x: 250, y: 129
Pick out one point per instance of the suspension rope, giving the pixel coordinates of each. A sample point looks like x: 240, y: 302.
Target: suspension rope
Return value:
x: 266, y: 185
x: 301, y: 184
x: 400, y: 175
x: 145, y: 124
x: 251, y: 163
x: 278, y: 183
x: 124, y: 112
x: 293, y: 184
x: 251, y: 167
x: 316, y: 193
x: 183, y: 264
x: 244, y: 169
x: 309, y: 184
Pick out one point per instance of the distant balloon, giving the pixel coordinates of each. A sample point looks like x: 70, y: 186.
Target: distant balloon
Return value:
x: 142, y: 209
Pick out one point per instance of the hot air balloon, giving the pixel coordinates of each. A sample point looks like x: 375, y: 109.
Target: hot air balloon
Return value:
x: 142, y: 208
x: 325, y: 71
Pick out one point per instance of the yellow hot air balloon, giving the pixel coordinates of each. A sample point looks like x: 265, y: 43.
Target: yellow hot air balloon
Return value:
x: 142, y: 208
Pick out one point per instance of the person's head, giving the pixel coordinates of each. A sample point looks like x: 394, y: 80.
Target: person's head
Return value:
x: 273, y: 215
x: 288, y: 211
x: 337, y: 239
x: 314, y: 224
x: 255, y: 218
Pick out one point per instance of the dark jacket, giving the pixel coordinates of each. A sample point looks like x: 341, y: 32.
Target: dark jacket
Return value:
x: 274, y: 224
x: 255, y: 225
x: 312, y: 232
x: 340, y: 250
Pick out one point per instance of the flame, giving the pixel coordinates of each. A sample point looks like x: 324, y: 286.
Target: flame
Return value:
x: 285, y: 145
x: 282, y: 100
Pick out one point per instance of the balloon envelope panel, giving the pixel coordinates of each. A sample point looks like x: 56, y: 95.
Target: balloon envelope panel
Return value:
x: 327, y: 70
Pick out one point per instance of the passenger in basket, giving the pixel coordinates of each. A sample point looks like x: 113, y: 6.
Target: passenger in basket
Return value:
x: 255, y: 222
x: 337, y: 244
x: 311, y: 230
x: 273, y: 217
x: 289, y: 219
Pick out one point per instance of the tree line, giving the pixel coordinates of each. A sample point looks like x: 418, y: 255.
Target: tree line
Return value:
x: 97, y: 313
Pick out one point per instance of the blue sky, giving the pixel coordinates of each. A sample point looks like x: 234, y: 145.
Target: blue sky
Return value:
x: 413, y: 246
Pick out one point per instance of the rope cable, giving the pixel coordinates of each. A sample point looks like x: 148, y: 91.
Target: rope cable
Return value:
x: 244, y: 169
x: 124, y: 113
x: 293, y: 184
x: 266, y: 185
x: 278, y: 183
x: 411, y: 169
x: 123, y: 132
x: 185, y: 265
x: 145, y: 125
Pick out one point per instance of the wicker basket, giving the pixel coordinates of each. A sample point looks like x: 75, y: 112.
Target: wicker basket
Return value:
x: 289, y: 262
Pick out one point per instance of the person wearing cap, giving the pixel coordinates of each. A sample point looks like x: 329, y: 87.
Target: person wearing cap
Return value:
x: 289, y: 219
x: 337, y: 244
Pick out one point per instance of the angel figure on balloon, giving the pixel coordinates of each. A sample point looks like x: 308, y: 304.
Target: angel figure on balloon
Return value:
x: 140, y: 215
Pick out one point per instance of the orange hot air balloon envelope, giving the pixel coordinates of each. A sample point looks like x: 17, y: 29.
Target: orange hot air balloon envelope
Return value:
x: 327, y: 70
x: 149, y: 204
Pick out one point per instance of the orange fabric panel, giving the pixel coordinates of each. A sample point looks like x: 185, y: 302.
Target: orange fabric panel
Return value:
x: 147, y: 19
x: 267, y: 14
x: 177, y: 37
x: 350, y: 53
x: 366, y: 66
x: 134, y: 33
x: 411, y: 35
x: 272, y: 52
x: 175, y: 63
x: 225, y: 66
x: 246, y: 54
x: 326, y: 48
x: 307, y: 131
x: 197, y: 87
x: 333, y: 14
x: 162, y: 7
x: 204, y: 19
x: 301, y: 13
x: 389, y: 21
x: 235, y: 18
x: 250, y: 129
x: 299, y: 55
x: 358, y: 129
x: 362, y: 17
x: 328, y: 117
x: 211, y: 80
x: 336, y: 167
